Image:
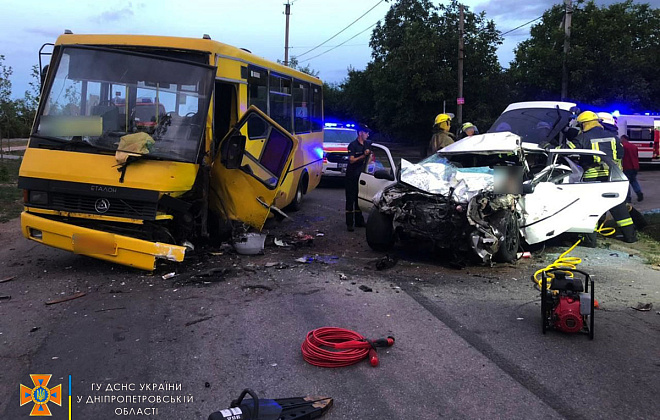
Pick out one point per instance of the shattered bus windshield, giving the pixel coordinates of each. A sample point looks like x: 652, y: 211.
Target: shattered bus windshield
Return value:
x: 98, y: 97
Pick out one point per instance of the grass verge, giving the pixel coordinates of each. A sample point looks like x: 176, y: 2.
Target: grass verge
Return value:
x: 11, y: 203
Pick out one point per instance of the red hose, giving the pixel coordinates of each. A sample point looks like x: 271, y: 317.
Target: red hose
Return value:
x: 347, y: 347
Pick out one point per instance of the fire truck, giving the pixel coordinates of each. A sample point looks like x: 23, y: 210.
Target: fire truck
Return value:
x: 644, y: 132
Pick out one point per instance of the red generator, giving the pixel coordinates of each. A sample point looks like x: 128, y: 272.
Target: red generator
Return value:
x: 568, y: 304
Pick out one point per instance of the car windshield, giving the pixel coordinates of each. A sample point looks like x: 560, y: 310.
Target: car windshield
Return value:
x: 98, y: 97
x: 533, y: 125
x: 339, y: 135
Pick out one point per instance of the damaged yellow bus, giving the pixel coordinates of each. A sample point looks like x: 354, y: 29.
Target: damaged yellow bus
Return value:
x: 142, y: 145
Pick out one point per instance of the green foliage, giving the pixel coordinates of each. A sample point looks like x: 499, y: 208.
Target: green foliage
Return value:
x: 10, y: 196
x: 414, y: 69
x: 307, y: 69
x: 16, y: 116
x: 614, y: 56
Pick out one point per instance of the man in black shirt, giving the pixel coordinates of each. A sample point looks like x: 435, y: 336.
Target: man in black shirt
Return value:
x: 359, y: 154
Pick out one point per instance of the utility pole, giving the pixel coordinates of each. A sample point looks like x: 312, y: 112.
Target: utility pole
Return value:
x: 287, y: 12
x: 460, y: 99
x: 567, y: 45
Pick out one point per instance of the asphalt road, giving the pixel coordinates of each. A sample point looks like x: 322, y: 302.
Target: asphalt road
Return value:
x: 468, y: 341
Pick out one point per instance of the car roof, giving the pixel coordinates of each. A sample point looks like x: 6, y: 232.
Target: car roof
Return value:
x: 566, y: 106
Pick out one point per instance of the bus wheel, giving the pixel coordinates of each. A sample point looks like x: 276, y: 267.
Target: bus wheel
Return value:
x: 296, y: 204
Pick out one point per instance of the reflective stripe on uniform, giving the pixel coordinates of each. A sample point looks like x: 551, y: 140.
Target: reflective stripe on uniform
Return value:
x: 625, y: 222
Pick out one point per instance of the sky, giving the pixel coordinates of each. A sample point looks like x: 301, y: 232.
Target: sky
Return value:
x: 258, y: 25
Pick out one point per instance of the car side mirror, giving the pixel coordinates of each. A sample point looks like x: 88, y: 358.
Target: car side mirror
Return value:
x: 527, y: 188
x: 384, y: 174
x: 231, y: 151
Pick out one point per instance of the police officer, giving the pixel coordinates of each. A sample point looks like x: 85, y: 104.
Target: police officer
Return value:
x: 359, y: 153
x: 594, y: 136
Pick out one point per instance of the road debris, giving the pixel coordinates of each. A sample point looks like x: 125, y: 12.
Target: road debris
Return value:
x: 197, y: 321
x: 643, y: 307
x: 5, y: 297
x: 278, y: 265
x: 366, y: 288
x: 34, y: 329
x: 5, y: 280
x: 66, y: 299
x: 342, y: 276
x: 256, y: 286
x: 250, y: 244
x: 323, y: 259
x: 168, y: 275
x: 110, y: 309
x: 386, y: 262
x: 302, y: 408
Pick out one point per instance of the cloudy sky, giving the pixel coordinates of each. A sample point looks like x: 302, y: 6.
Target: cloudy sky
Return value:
x: 257, y: 25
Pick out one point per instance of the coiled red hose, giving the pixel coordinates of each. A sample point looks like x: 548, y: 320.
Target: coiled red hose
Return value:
x: 347, y: 347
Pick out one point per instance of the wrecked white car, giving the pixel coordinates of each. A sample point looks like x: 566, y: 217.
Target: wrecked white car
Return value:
x: 484, y: 194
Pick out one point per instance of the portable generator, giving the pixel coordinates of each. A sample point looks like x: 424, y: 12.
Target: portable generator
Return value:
x: 568, y: 304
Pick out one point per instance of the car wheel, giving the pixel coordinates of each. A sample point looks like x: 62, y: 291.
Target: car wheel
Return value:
x: 296, y: 204
x: 508, y: 249
x: 380, y: 231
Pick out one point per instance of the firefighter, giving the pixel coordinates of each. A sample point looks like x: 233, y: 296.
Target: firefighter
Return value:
x: 441, y: 135
x: 468, y: 130
x: 593, y: 136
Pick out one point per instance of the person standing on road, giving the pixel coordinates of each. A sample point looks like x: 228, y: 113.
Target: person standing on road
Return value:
x: 468, y: 130
x: 630, y: 167
x: 441, y: 135
x: 358, y: 154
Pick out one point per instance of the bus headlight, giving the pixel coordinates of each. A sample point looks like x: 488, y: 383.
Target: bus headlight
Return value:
x: 38, y: 197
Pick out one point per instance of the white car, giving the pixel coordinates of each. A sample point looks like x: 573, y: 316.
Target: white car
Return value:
x: 335, y: 149
x: 485, y: 193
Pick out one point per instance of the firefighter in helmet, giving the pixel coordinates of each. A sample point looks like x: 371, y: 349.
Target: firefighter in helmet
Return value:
x: 593, y: 136
x: 441, y: 135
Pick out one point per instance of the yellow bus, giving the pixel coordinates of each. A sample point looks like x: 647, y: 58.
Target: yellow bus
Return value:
x: 144, y: 144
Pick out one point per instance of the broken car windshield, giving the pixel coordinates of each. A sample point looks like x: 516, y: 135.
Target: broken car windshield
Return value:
x: 533, y: 125
x: 99, y: 96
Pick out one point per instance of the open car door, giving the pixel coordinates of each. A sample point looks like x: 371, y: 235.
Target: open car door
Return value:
x: 563, y: 201
x: 249, y: 167
x: 378, y: 173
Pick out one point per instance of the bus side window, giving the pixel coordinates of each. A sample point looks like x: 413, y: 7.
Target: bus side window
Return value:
x: 317, y: 108
x: 301, y: 106
x: 257, y: 95
x: 280, y: 101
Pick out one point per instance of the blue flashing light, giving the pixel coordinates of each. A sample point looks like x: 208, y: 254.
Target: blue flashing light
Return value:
x: 647, y: 113
x: 330, y: 124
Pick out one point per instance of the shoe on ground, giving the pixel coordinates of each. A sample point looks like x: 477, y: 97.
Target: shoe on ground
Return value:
x: 640, y: 197
x: 350, y: 228
x: 630, y: 239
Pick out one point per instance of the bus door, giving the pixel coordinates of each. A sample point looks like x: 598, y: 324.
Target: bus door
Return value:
x: 249, y: 168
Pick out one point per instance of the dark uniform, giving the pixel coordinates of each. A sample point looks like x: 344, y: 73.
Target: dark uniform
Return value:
x: 595, y: 170
x: 353, y: 171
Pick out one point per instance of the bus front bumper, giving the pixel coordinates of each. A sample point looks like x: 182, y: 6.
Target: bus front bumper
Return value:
x: 105, y: 246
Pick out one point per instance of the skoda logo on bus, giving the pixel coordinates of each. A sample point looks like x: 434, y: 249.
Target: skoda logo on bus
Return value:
x: 102, y: 205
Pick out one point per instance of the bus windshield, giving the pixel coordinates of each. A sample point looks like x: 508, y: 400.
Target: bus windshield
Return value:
x: 97, y: 96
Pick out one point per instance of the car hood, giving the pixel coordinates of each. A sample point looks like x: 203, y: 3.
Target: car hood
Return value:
x: 487, y: 143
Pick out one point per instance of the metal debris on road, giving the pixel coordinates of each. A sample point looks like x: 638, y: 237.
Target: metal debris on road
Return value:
x: 197, y: 321
x: 278, y: 265
x: 35, y: 329
x: 323, y: 259
x: 168, y: 275
x: 5, y: 297
x: 342, y: 276
x: 643, y: 307
x: 66, y: 299
x: 366, y: 288
x: 5, y: 280
x: 110, y: 309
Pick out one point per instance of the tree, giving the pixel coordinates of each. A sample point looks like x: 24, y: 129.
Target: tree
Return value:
x: 16, y: 116
x: 414, y: 69
x: 307, y: 69
x: 613, y: 58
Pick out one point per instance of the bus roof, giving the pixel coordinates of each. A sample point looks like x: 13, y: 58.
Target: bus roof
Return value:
x: 194, y: 44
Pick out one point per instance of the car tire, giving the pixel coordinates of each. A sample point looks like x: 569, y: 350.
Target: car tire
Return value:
x: 380, y: 231
x: 508, y: 249
x: 296, y: 204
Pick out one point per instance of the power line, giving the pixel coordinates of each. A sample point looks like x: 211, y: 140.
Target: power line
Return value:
x: 333, y: 46
x: 337, y: 46
x: 351, y: 24
x: 524, y: 24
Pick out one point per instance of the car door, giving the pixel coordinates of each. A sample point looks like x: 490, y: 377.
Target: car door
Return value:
x: 249, y: 168
x: 566, y: 203
x: 381, y: 160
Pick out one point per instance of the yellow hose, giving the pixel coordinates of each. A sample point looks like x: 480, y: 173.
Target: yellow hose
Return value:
x: 567, y: 262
